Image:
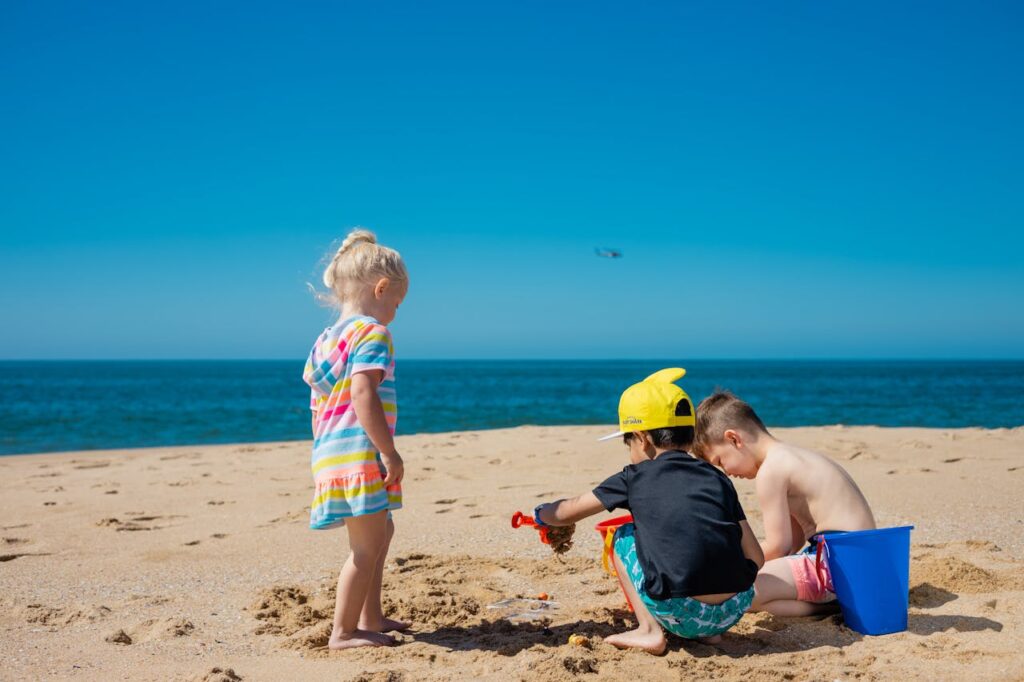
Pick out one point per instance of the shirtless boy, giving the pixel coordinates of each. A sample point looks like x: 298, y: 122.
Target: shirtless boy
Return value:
x: 802, y: 494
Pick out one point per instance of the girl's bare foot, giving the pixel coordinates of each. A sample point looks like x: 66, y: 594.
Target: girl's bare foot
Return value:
x: 360, y: 638
x: 651, y: 641
x: 386, y: 625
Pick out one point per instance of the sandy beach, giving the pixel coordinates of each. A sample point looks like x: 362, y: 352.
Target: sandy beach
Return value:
x: 195, y: 563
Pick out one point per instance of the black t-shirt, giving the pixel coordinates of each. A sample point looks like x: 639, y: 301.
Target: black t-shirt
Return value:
x: 686, y: 516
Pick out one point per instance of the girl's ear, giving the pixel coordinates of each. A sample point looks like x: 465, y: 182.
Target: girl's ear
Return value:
x: 381, y: 287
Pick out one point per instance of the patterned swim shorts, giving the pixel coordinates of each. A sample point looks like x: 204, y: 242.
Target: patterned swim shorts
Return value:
x: 682, y: 616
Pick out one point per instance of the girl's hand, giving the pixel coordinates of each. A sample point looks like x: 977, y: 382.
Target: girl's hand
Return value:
x: 395, y: 468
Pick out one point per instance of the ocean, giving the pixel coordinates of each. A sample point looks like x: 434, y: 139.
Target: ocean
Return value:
x: 72, y: 405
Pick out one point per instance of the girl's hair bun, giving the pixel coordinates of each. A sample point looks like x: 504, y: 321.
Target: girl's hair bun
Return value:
x: 360, y: 260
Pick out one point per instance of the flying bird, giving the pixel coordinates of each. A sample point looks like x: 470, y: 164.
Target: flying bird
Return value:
x: 608, y: 253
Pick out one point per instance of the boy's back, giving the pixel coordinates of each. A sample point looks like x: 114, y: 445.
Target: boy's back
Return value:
x: 809, y: 493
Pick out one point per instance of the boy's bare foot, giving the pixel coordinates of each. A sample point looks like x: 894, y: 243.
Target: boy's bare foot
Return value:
x: 358, y: 638
x: 386, y: 625
x: 651, y: 641
x: 714, y: 639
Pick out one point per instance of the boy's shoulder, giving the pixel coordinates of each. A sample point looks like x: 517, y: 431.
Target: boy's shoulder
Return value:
x: 785, y: 464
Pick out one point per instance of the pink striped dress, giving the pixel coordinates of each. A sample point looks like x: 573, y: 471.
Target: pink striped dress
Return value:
x: 347, y: 469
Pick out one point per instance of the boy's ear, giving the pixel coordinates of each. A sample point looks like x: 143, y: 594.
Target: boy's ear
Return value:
x: 381, y: 287
x: 733, y: 438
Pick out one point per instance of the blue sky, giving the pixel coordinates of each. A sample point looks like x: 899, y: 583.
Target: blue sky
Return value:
x: 785, y: 180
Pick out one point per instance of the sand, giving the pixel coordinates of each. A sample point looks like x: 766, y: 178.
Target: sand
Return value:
x: 195, y: 563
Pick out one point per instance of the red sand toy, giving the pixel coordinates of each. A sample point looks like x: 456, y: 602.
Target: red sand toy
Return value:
x: 521, y: 519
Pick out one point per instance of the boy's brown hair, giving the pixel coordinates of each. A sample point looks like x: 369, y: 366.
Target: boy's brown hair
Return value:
x: 719, y: 412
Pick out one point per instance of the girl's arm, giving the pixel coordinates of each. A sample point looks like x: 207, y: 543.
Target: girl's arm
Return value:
x: 566, y: 512
x: 370, y: 413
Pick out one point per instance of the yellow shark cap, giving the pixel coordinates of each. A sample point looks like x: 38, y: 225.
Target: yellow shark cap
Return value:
x: 651, y: 404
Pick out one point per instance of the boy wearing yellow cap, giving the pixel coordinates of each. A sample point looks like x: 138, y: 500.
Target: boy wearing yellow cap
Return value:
x: 688, y: 561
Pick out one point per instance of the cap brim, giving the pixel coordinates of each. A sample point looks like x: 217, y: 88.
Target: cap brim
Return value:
x: 612, y: 435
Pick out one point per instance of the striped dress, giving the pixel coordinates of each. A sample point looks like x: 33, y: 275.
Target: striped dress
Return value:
x: 347, y: 468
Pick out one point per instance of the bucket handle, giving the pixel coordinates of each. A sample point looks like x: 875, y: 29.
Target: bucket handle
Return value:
x: 606, y: 562
x: 817, y: 559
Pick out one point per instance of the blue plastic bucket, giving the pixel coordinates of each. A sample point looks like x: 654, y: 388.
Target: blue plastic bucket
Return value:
x: 871, y: 574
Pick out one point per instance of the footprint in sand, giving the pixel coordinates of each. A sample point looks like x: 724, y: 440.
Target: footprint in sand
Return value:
x: 451, y: 501
x: 89, y: 465
x: 298, y: 515
x: 118, y: 637
x: 219, y: 536
x: 136, y: 522
x: 218, y: 674
x: 12, y: 557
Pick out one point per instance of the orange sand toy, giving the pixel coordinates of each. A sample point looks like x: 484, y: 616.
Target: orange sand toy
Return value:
x: 520, y: 519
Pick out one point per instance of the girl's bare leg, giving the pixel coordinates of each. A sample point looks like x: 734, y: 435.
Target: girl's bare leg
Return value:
x: 367, y: 539
x: 648, y: 634
x: 372, y: 615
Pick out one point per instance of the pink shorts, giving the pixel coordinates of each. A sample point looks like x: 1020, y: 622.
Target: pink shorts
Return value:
x: 809, y: 587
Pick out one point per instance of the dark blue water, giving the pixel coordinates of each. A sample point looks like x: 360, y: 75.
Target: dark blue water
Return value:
x: 53, y: 406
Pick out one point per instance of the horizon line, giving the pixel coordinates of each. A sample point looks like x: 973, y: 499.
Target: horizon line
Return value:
x: 594, y: 359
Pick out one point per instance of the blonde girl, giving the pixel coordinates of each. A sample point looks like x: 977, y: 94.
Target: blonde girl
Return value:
x: 356, y: 469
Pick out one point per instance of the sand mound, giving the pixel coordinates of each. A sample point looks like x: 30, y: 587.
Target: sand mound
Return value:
x: 445, y: 597
x: 381, y: 676
x: 64, y: 616
x: 953, y: 574
x: 162, y: 628
x: 285, y: 610
x: 310, y: 638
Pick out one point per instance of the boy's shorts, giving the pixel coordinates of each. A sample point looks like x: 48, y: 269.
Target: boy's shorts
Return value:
x: 809, y: 586
x: 681, y: 616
